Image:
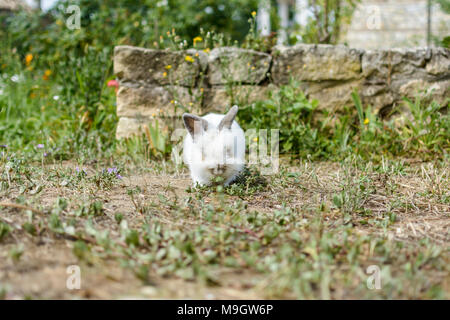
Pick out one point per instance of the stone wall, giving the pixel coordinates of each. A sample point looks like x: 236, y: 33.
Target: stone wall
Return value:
x: 157, y: 84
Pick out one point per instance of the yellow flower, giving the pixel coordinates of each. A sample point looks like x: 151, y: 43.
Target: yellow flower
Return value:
x: 253, y: 68
x: 197, y: 39
x: 28, y: 59
x: 164, y: 74
x: 196, y: 54
x: 172, y: 101
x: 47, y: 74
x: 201, y: 90
x: 191, y: 104
x: 207, y: 50
x: 254, y: 13
x: 189, y: 59
x: 366, y: 121
x: 168, y: 66
x: 255, y: 139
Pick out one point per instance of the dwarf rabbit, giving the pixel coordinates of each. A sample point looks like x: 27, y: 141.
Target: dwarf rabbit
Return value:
x: 214, y: 147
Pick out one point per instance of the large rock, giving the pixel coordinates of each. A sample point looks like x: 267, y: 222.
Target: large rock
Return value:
x: 128, y: 127
x: 315, y: 63
x: 233, y: 65
x: 438, y: 91
x: 439, y: 64
x: 379, y: 97
x: 385, y: 66
x: 333, y: 96
x: 159, y: 67
x: 219, y: 99
x: 151, y: 101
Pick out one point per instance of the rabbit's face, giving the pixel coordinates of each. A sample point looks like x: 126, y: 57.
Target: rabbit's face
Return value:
x: 218, y: 153
x: 213, y: 148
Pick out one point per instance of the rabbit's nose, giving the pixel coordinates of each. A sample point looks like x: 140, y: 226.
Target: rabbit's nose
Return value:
x: 217, y: 170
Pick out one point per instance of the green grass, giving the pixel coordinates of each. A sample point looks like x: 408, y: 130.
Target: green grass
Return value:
x: 309, y: 231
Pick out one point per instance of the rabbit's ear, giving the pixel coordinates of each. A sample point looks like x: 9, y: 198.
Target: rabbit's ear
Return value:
x: 227, y: 121
x: 194, y: 124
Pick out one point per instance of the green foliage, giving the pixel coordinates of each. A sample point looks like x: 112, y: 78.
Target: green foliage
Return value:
x: 288, y: 110
x: 306, y: 131
x: 327, y: 20
x: 5, y: 229
x: 54, y: 79
x: 444, y: 4
x: 445, y: 41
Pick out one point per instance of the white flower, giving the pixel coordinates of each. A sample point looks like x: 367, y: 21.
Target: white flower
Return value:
x: 162, y: 3
x: 15, y: 78
x: 56, y: 98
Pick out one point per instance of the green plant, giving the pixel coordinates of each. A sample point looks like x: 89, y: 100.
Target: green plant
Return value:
x: 326, y: 22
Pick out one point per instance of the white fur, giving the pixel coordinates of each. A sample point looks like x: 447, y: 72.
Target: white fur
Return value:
x: 214, y: 148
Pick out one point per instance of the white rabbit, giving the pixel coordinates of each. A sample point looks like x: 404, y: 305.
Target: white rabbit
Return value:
x: 214, y: 147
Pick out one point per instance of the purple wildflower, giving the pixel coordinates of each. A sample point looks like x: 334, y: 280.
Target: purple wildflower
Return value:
x: 112, y: 170
x: 40, y: 146
x: 81, y: 171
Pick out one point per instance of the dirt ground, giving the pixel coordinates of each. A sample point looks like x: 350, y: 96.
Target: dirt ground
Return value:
x: 41, y: 270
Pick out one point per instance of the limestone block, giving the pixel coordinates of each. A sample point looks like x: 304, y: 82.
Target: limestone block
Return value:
x: 160, y: 67
x: 306, y: 62
x: 237, y: 65
x: 151, y: 101
x: 438, y: 91
x: 439, y: 64
x: 219, y: 99
x: 384, y: 66
x: 128, y: 127
x: 334, y: 98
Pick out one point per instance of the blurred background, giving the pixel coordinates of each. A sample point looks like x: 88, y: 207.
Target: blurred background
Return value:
x: 56, y: 56
x: 359, y: 23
